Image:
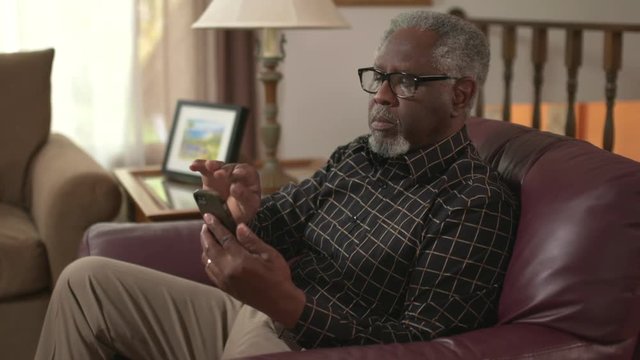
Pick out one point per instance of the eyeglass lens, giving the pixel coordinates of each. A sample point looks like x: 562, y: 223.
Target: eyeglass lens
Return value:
x: 402, y: 85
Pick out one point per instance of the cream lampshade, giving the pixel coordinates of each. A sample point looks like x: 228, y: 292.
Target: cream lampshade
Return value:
x: 270, y: 16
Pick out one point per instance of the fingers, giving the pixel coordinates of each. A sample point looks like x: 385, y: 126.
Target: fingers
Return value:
x: 243, y: 174
x: 245, y: 192
x: 210, y: 247
x: 207, y: 170
x: 252, y: 243
x: 238, y: 180
x: 210, y: 256
x: 205, y: 166
x: 212, y: 270
x: 224, y: 240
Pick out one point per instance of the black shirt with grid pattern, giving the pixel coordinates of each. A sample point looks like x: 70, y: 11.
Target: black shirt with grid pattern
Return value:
x: 394, y: 250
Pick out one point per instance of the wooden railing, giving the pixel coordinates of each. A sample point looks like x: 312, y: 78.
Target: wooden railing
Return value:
x: 612, y: 63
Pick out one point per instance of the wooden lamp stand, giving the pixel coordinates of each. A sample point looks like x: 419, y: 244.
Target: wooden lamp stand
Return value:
x: 271, y: 53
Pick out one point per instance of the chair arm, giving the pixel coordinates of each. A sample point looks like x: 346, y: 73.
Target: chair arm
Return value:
x: 172, y: 247
x: 69, y: 192
x: 511, y: 341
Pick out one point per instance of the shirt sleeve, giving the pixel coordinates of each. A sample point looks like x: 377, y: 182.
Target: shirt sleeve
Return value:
x: 283, y: 215
x: 454, y: 286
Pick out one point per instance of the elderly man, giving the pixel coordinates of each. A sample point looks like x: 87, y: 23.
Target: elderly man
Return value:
x: 404, y: 235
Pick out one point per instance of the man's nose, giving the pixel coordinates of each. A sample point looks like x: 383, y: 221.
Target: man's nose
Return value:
x: 385, y: 96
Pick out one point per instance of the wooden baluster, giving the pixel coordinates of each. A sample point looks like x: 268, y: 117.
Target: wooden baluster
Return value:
x: 508, y: 54
x: 538, y: 58
x: 573, y: 60
x: 480, y: 99
x: 612, y: 64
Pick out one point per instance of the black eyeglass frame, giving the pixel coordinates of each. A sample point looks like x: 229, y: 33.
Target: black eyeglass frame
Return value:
x: 416, y: 79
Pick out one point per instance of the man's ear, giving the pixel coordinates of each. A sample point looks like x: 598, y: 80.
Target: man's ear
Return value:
x: 463, y: 91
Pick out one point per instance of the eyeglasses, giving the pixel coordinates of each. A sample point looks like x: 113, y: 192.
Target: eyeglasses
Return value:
x: 403, y: 85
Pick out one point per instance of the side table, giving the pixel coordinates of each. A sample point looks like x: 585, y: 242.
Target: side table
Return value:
x: 151, y: 197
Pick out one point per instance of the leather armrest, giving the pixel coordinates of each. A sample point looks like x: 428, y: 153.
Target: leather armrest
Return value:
x: 172, y: 247
x: 512, y: 341
x: 69, y: 192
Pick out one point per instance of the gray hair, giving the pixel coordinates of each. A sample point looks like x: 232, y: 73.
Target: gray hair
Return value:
x: 461, y: 49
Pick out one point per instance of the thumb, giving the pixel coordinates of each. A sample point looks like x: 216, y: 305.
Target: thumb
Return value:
x: 251, y: 242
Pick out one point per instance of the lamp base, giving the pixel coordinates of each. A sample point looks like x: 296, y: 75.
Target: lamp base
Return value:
x: 273, y: 177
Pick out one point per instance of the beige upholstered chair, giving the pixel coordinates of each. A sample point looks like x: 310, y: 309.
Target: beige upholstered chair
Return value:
x: 50, y: 192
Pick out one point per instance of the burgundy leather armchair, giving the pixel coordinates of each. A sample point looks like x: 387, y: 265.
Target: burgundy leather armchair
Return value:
x: 572, y: 289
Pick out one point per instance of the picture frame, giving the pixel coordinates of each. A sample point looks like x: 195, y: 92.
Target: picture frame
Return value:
x: 202, y: 130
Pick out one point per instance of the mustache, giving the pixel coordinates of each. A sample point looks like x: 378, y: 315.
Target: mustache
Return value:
x: 379, y: 112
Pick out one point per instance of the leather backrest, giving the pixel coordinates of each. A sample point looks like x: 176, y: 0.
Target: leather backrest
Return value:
x: 25, y: 118
x: 576, y: 260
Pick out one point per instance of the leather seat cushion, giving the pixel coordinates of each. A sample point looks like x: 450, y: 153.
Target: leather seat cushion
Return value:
x: 24, y: 268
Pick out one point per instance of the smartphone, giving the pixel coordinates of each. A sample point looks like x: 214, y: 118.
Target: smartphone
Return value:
x: 209, y: 201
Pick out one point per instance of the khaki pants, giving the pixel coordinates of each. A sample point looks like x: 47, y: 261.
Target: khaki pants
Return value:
x: 101, y: 307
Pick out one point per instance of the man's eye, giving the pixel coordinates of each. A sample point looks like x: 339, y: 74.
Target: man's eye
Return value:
x: 406, y: 81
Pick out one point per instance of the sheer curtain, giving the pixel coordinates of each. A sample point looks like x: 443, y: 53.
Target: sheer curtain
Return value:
x: 92, y: 78
x: 236, y: 78
x: 121, y: 66
x: 173, y: 62
x: 178, y: 62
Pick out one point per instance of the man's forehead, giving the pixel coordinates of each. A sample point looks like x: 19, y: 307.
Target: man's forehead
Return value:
x: 413, y: 34
x: 406, y: 49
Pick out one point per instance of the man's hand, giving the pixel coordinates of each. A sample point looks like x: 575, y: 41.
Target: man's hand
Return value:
x: 237, y: 184
x: 251, y: 271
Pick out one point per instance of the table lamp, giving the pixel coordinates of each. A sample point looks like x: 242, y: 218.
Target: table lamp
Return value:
x: 270, y: 16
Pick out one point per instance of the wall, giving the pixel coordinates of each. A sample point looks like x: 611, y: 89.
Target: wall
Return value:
x: 322, y: 105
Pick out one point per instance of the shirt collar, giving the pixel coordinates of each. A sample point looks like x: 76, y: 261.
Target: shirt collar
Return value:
x: 426, y: 163
x: 432, y: 161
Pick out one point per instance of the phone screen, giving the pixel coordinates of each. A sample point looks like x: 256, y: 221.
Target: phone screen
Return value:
x: 209, y: 201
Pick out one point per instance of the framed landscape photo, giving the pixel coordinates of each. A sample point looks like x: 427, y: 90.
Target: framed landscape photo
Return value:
x: 202, y: 131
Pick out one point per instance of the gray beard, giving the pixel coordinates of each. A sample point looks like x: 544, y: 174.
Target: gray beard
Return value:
x: 388, y: 148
